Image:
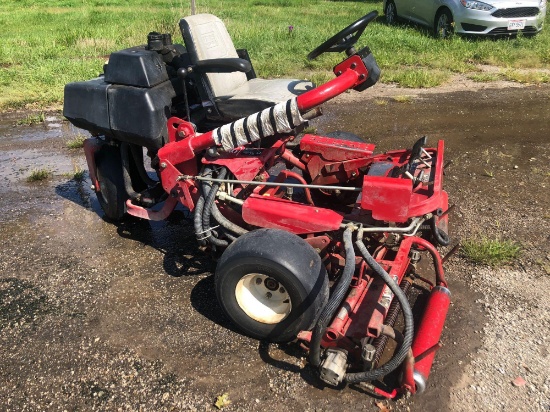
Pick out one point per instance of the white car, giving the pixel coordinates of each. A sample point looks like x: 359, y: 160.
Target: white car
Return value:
x: 489, y: 18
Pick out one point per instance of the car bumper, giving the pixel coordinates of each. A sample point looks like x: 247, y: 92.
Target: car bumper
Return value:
x: 483, y: 23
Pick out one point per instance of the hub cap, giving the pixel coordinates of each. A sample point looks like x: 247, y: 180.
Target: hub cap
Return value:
x: 263, y: 298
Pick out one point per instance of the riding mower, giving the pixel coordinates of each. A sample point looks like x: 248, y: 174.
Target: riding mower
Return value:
x: 320, y: 238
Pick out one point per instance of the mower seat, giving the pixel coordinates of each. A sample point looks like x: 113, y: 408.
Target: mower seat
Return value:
x: 236, y: 94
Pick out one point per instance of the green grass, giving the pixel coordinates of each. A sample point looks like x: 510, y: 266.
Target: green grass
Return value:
x: 38, y: 175
x: 403, y: 99
x: 78, y: 174
x: 46, y: 44
x: 76, y: 142
x: 491, y: 252
x: 31, y: 119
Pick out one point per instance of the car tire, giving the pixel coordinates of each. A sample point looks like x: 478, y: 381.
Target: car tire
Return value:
x: 271, y: 284
x: 112, y: 195
x: 391, y: 13
x: 444, y: 24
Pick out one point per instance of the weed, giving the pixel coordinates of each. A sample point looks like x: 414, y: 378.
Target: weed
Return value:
x: 76, y: 142
x: 381, y: 102
x: 491, y: 252
x: 530, y: 77
x: 310, y: 130
x: 488, y: 173
x: 78, y: 175
x: 38, y: 175
x: 31, y: 119
x: 403, y: 99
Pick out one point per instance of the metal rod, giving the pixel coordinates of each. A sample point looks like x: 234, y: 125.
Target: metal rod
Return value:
x: 253, y: 182
x: 451, y: 253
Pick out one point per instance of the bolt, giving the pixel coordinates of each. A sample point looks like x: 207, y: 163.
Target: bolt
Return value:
x: 353, y: 174
x: 163, y: 165
x: 181, y: 133
x: 353, y: 65
x: 362, y: 76
x: 339, y: 72
x: 258, y: 281
x: 282, y: 290
x: 268, y: 295
x: 92, y: 187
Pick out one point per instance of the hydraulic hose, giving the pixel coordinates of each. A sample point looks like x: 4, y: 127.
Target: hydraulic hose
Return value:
x: 335, y: 300
x: 209, y: 193
x: 398, y: 358
x: 439, y: 235
x: 226, y: 223
x: 199, y: 207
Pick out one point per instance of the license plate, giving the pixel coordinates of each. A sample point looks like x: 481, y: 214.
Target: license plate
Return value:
x: 516, y: 24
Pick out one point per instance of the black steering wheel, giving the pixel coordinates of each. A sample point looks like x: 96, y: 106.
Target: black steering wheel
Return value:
x: 344, y: 39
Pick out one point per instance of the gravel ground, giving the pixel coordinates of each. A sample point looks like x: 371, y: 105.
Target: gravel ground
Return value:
x: 95, y: 316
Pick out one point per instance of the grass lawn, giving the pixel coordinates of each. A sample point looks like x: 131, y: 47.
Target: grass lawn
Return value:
x: 45, y: 44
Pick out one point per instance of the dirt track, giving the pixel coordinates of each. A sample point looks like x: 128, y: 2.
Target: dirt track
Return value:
x: 99, y: 316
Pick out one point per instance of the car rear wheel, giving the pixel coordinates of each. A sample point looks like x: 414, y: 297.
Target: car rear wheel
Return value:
x: 444, y: 24
x: 271, y: 284
x: 391, y: 13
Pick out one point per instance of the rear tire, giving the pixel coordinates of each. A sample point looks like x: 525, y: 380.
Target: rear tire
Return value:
x: 112, y: 195
x: 271, y: 284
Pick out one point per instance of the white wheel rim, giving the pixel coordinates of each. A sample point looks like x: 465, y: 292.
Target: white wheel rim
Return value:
x: 262, y: 298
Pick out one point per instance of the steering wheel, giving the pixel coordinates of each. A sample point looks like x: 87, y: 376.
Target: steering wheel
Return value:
x: 344, y: 39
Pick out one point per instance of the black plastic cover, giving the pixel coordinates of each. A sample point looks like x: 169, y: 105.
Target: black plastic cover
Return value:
x: 85, y: 105
x: 139, y: 115
x: 136, y: 67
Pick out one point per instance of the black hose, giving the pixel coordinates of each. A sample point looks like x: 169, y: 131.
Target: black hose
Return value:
x: 401, y: 353
x: 226, y: 223
x: 137, y: 154
x: 209, y: 193
x: 439, y: 235
x: 199, y: 207
x: 334, y: 302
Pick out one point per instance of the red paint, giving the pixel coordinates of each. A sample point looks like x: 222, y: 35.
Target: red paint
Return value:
x: 91, y: 147
x: 149, y: 214
x: 275, y: 213
x: 333, y: 149
x: 387, y: 197
x: 426, y: 341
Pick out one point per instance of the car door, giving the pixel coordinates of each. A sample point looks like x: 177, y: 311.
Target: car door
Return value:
x: 403, y: 8
x: 423, y: 11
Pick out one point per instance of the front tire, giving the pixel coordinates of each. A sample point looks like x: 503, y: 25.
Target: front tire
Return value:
x: 271, y: 284
x: 444, y: 24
